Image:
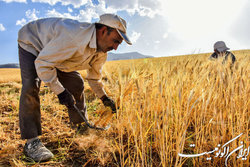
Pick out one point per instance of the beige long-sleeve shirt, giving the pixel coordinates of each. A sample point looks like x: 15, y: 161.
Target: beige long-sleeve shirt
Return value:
x: 66, y: 45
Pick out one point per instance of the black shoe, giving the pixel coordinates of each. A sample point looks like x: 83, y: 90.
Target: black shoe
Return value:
x: 37, y: 151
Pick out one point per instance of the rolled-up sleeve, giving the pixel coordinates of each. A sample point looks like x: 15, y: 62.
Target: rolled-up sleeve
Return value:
x: 94, y: 76
x: 51, y: 56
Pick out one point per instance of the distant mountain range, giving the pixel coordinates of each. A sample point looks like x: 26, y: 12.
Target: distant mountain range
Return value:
x: 10, y: 65
x: 111, y: 57
x: 126, y: 56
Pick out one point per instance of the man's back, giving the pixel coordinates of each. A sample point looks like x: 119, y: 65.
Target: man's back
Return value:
x: 224, y: 56
x: 35, y: 35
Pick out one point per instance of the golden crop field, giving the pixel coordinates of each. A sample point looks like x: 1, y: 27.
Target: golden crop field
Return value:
x: 167, y: 107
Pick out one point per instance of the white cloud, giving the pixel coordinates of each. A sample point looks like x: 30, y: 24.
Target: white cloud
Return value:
x: 21, y: 22
x: 135, y: 36
x: 32, y: 14
x: 70, y: 10
x: 84, y: 15
x: 199, y: 19
x: 2, y: 28
x: 20, y: 1
x: 90, y: 12
x: 122, y: 5
x: 165, y: 35
x: 102, y: 8
x: 240, y: 28
x: 148, y: 8
x: 157, y: 42
x: 54, y: 13
x: 75, y: 3
x: 145, y: 8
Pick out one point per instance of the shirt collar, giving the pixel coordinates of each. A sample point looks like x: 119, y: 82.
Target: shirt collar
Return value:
x: 92, y: 43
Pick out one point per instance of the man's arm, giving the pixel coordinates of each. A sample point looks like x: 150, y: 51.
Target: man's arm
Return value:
x: 233, y: 58
x: 94, y: 76
x: 94, y: 79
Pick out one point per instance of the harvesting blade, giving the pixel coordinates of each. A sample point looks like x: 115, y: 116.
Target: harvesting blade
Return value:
x: 86, y: 121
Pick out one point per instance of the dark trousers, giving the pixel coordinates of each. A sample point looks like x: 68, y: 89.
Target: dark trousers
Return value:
x: 29, y: 106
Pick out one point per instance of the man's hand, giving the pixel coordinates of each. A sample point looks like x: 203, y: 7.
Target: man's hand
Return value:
x: 66, y: 98
x: 108, y: 103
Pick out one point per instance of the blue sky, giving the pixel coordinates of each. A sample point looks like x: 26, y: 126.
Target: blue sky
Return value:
x: 156, y: 27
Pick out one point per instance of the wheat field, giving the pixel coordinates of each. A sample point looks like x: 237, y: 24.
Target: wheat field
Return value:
x: 171, y: 105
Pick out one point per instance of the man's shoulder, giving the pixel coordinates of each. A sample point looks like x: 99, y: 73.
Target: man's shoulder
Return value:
x: 46, y: 20
x: 230, y: 53
x: 214, y: 55
x: 72, y: 27
x: 66, y: 22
